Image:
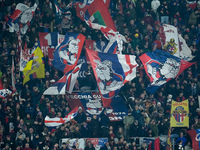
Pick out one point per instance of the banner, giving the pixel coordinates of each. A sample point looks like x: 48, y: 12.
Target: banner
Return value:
x: 50, y: 40
x: 91, y: 104
x: 98, y: 142
x: 4, y: 92
x: 50, y: 55
x: 35, y: 66
x: 179, y: 114
x: 195, y: 137
x: 154, y: 145
x: 98, y: 46
x: 79, y: 143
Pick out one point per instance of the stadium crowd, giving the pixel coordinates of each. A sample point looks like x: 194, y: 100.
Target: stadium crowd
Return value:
x: 22, y: 115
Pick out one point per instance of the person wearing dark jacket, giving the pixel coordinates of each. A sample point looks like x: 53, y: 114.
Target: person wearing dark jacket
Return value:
x: 104, y: 123
x: 95, y: 125
x: 89, y: 146
x: 81, y: 116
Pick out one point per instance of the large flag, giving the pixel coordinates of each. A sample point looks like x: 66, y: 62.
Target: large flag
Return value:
x: 161, y: 67
x: 173, y: 43
x: 21, y: 18
x: 179, y: 114
x: 35, y: 66
x: 102, y: 46
x: 54, y: 122
x: 83, y: 5
x: 25, y: 56
x: 68, y: 52
x: 66, y: 83
x: 4, y: 92
x: 111, y: 71
x: 154, y: 145
x: 99, y: 14
x: 195, y: 137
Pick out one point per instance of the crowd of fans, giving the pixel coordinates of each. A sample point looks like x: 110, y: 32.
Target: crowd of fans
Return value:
x: 22, y: 115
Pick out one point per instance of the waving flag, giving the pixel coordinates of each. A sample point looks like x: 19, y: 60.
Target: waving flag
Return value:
x: 54, y: 122
x: 102, y: 46
x: 83, y: 5
x: 98, y: 13
x: 4, y: 92
x: 34, y: 67
x: 161, y: 67
x: 173, y: 43
x: 68, y: 52
x: 21, y: 18
x: 195, y: 137
x: 13, y: 76
x: 25, y: 56
x: 185, y: 52
x: 111, y: 71
x: 66, y: 83
x: 60, y: 13
x: 154, y: 145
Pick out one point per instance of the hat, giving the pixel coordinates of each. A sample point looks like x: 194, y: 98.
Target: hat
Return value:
x: 80, y: 107
x: 64, y: 143
x: 158, y: 103
x: 154, y: 102
x: 47, y: 73
x: 169, y: 96
x: 52, y: 81
x: 136, y: 34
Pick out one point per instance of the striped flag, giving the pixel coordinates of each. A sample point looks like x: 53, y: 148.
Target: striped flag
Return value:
x: 54, y: 122
x: 13, y: 76
x: 154, y: 145
x: 4, y: 92
x: 66, y: 83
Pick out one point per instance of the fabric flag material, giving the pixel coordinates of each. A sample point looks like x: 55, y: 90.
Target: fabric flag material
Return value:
x: 60, y: 13
x: 114, y: 37
x: 21, y: 18
x: 35, y: 66
x: 50, y: 55
x: 161, y: 67
x: 102, y: 46
x: 98, y: 142
x: 83, y: 5
x: 179, y: 114
x: 154, y: 145
x: 173, y: 42
x: 92, y: 105
x: 50, y: 40
x: 185, y: 52
x: 195, y: 137
x: 25, y: 56
x: 54, y: 122
x: 68, y: 52
x: 111, y: 71
x: 99, y: 14
x: 169, y: 143
x: 4, y: 92
x: 66, y: 83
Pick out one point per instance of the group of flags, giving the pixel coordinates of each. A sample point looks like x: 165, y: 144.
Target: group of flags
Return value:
x: 111, y: 69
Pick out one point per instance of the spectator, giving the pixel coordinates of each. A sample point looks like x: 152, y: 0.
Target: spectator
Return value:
x: 104, y: 123
x: 128, y: 121
x: 89, y: 146
x: 81, y: 116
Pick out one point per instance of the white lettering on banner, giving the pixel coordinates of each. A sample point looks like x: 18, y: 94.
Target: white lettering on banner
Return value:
x: 197, y: 138
x: 119, y: 113
x: 48, y: 38
x: 81, y: 74
x: 96, y: 96
x: 45, y: 50
x: 79, y: 96
x: 115, y: 118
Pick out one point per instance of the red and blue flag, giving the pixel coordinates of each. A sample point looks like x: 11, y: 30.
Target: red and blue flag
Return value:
x: 195, y: 137
x: 68, y: 52
x: 154, y: 145
x: 111, y: 71
x: 161, y: 67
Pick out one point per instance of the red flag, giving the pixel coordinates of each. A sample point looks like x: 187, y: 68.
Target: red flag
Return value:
x: 154, y: 145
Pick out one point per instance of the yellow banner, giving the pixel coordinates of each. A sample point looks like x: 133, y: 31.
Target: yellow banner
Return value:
x: 34, y: 67
x: 179, y: 114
